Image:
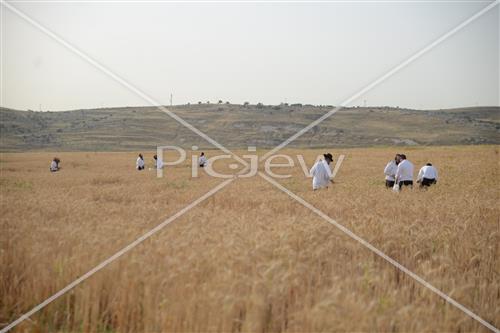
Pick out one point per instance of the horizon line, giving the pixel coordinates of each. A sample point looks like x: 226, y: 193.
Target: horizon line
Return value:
x: 263, y: 105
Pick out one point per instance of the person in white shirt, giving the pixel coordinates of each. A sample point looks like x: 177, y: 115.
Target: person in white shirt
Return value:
x: 427, y: 175
x: 54, y: 165
x: 404, y: 173
x: 202, y: 160
x: 390, y: 172
x: 139, y: 164
x: 321, y: 172
x: 158, y: 164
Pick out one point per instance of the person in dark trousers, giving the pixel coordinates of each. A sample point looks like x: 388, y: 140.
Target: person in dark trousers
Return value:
x: 427, y: 176
x: 139, y: 164
x: 202, y: 161
x: 404, y: 173
x: 390, y: 172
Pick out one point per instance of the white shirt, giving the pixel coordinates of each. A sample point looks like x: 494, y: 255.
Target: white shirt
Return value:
x: 405, y: 171
x: 139, y: 163
x: 202, y: 160
x: 321, y: 174
x: 158, y: 163
x: 390, y: 170
x: 53, y: 166
x: 427, y: 171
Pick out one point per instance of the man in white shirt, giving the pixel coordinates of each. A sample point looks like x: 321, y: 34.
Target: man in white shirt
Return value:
x: 404, y: 173
x: 139, y: 164
x: 54, y: 165
x: 427, y: 175
x: 202, y: 160
x: 321, y: 172
x: 158, y: 164
x: 390, y: 172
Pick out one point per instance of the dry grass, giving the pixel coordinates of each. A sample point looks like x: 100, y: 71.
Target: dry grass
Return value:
x: 249, y: 258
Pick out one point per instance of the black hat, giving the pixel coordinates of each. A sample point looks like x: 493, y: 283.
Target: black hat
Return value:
x: 328, y: 156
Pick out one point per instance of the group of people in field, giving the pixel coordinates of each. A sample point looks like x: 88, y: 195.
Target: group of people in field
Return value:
x: 140, y: 164
x: 399, y: 173
x: 158, y: 164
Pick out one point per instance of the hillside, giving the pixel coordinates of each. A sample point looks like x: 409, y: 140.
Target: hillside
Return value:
x: 133, y: 128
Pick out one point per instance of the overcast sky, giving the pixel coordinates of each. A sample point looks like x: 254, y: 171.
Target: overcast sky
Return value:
x: 318, y: 53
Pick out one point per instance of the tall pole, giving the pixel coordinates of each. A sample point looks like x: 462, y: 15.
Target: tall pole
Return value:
x: 170, y: 99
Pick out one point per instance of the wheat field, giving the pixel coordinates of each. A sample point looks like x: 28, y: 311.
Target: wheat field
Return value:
x: 249, y: 258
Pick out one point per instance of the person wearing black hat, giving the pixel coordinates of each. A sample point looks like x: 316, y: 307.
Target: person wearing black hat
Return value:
x: 202, y: 161
x: 54, y: 165
x: 321, y: 173
x: 139, y: 163
x: 157, y: 163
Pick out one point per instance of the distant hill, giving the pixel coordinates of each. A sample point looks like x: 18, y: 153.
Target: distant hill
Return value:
x: 239, y: 126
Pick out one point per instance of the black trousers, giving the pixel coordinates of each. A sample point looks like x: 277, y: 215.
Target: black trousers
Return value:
x: 389, y: 183
x: 427, y: 182
x: 405, y: 183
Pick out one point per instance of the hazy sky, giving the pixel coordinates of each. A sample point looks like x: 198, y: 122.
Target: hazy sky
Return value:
x: 318, y: 53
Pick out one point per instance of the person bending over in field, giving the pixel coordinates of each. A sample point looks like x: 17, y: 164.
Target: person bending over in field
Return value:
x: 202, y: 161
x: 427, y: 176
x: 54, y: 165
x: 158, y: 164
x: 322, y: 175
x: 390, y: 172
x: 404, y: 173
x: 139, y: 164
